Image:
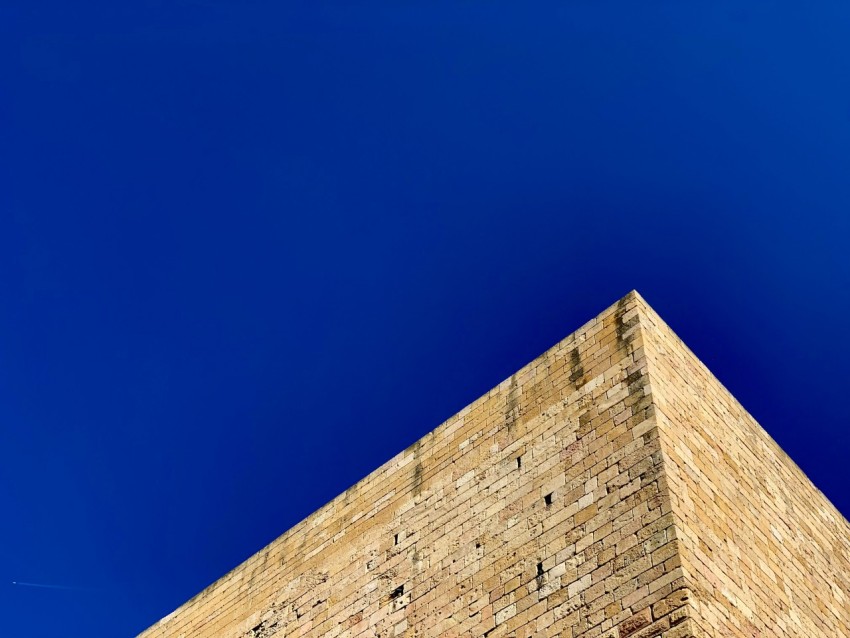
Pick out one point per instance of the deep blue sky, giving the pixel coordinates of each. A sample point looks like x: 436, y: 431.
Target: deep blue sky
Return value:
x: 251, y: 250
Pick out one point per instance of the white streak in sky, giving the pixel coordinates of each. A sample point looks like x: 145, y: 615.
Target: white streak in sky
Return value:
x: 44, y: 586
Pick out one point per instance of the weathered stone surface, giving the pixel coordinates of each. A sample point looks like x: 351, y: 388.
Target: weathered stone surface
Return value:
x: 766, y: 552
x: 611, y: 488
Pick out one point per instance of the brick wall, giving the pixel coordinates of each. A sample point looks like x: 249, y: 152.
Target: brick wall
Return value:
x: 612, y: 488
x: 765, y: 552
x: 539, y: 510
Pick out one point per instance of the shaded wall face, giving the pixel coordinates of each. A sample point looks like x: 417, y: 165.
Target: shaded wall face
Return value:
x: 539, y: 510
x: 766, y: 553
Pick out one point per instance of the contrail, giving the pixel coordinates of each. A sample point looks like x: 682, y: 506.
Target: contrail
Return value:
x: 43, y: 586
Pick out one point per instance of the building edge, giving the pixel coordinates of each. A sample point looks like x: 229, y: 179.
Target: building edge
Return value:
x: 259, y: 558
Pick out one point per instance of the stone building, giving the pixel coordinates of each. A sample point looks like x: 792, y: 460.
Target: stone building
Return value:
x: 610, y: 488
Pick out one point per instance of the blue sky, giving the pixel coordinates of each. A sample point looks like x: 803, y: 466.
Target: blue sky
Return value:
x: 251, y: 250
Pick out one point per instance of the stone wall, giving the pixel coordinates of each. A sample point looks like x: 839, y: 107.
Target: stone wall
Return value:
x: 539, y: 510
x: 612, y: 488
x: 767, y: 554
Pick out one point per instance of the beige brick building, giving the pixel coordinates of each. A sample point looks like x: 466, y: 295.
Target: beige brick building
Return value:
x: 611, y: 488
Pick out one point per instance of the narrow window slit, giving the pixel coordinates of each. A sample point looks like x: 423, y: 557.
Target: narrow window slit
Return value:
x: 548, y: 499
x: 397, y: 592
x: 395, y: 539
x: 518, y: 462
x: 539, y: 569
